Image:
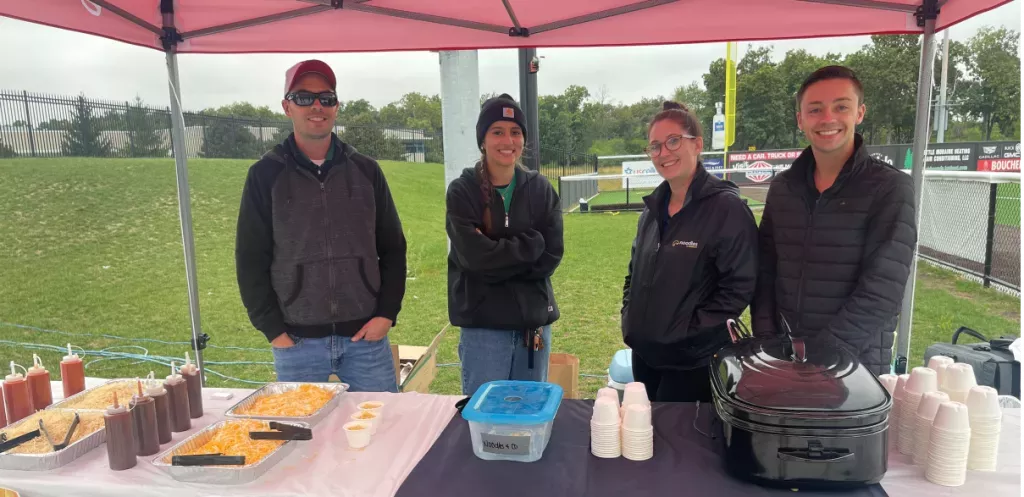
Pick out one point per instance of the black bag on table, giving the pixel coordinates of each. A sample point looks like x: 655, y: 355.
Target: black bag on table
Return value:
x: 992, y: 360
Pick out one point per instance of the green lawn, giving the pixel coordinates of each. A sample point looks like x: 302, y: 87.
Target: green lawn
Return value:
x: 1008, y: 204
x: 93, y: 246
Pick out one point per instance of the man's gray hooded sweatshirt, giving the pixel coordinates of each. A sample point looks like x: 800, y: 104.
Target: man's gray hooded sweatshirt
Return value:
x: 319, y: 251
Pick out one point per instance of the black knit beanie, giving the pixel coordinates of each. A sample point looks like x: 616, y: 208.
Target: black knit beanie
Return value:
x: 500, y: 108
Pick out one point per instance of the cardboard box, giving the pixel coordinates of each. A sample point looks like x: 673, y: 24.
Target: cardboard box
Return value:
x: 416, y: 366
x: 564, y: 370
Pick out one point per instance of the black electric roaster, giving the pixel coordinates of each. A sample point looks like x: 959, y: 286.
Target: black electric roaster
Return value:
x: 802, y: 417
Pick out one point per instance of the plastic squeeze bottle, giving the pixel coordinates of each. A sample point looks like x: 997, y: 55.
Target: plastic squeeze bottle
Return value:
x: 39, y: 384
x: 177, y: 400
x: 72, y: 373
x: 194, y: 384
x: 17, y: 396
x: 120, y: 439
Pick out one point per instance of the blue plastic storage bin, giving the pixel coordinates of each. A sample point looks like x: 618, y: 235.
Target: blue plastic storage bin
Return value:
x: 512, y: 420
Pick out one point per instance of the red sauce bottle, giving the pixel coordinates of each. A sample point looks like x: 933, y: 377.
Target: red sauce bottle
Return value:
x: 17, y: 396
x: 177, y: 401
x: 120, y: 439
x: 39, y: 384
x: 72, y: 373
x: 194, y: 386
x: 3, y: 410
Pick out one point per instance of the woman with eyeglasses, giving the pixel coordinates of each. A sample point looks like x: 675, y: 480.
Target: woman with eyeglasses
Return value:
x: 505, y: 226
x: 693, y: 265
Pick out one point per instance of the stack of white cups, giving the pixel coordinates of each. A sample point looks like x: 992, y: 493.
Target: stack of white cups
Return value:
x: 637, y: 433
x: 923, y: 429
x: 939, y: 364
x: 889, y: 382
x: 897, y: 409
x: 985, y: 419
x: 947, y: 449
x: 604, y: 426
x: 958, y: 381
x: 922, y: 380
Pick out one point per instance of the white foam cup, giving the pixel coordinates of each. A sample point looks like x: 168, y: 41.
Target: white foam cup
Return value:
x: 357, y: 433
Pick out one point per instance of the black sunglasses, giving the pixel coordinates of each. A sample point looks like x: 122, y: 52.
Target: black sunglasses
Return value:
x: 306, y: 98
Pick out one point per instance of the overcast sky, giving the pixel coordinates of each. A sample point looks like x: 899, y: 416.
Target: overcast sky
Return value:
x: 43, y: 59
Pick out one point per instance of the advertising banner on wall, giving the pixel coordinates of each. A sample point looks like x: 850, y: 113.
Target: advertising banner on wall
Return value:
x: 632, y: 171
x: 762, y: 162
x: 999, y: 157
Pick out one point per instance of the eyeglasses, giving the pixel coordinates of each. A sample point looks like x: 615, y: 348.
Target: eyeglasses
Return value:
x: 306, y: 98
x: 672, y: 144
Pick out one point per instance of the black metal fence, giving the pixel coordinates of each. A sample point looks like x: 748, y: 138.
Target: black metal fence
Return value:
x: 35, y: 125
x: 556, y: 162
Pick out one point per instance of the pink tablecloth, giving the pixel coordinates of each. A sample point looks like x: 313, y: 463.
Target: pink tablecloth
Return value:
x: 322, y: 466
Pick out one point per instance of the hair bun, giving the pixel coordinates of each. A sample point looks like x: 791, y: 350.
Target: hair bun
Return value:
x: 669, y: 105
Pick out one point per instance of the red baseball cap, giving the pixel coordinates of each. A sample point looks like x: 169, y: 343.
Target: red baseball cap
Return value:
x: 305, y: 67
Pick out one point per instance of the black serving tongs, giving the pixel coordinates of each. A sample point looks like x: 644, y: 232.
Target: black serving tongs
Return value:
x: 67, y: 437
x: 9, y: 444
x: 283, y: 431
x: 216, y: 459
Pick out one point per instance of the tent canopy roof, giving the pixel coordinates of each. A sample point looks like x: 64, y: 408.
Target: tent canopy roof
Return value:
x: 311, y: 26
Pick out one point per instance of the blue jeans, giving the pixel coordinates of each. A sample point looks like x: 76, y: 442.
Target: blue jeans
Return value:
x: 491, y: 355
x: 366, y: 366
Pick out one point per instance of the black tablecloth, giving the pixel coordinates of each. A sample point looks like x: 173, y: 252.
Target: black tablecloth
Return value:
x: 685, y: 462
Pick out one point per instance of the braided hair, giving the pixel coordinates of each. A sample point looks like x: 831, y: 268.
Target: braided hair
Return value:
x: 486, y: 191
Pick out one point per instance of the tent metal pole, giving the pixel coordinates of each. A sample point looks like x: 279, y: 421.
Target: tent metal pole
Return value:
x: 922, y: 131
x: 530, y: 104
x: 185, y: 207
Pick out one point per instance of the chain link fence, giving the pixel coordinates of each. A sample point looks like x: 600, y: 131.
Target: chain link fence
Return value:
x: 35, y: 125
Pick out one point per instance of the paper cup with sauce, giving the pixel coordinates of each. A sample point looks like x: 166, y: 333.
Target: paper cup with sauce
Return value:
x: 367, y: 417
x: 374, y: 406
x: 358, y: 433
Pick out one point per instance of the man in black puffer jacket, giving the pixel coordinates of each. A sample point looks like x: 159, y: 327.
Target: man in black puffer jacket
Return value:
x: 838, y: 232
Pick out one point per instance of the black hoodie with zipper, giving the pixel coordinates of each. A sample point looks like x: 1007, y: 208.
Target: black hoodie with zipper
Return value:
x: 686, y: 280
x: 502, y: 280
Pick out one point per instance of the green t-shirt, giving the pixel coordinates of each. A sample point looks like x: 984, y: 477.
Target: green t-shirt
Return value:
x: 506, y: 192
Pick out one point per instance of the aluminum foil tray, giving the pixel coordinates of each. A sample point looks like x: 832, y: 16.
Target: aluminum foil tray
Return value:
x: 51, y: 460
x: 279, y: 387
x: 221, y: 475
x: 69, y: 402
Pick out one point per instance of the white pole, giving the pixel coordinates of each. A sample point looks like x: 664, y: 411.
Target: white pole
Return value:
x: 460, y: 106
x: 942, y: 110
x: 921, y: 134
x: 184, y: 203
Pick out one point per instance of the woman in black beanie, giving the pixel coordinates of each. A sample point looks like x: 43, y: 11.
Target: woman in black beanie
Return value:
x: 505, y: 226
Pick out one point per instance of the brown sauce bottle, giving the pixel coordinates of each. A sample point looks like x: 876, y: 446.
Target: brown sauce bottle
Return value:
x: 177, y: 402
x: 120, y: 437
x: 143, y: 409
x: 194, y: 384
x: 163, y: 414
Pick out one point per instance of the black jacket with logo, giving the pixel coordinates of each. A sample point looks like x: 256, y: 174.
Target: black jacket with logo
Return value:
x: 319, y: 250
x: 835, y: 265
x: 502, y: 280
x: 686, y: 281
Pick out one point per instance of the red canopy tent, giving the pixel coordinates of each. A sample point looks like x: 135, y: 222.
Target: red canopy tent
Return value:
x: 265, y: 26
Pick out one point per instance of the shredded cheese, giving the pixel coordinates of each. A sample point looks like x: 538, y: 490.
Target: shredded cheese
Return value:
x: 300, y: 402
x: 103, y: 396
x: 56, y: 422
x: 232, y: 439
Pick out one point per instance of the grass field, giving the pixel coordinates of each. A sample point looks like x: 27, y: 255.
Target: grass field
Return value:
x: 93, y: 246
x: 1008, y: 204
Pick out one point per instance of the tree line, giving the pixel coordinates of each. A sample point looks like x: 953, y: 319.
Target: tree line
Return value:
x: 983, y: 102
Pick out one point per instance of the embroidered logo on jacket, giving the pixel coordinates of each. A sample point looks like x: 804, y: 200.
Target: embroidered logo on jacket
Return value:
x: 676, y: 243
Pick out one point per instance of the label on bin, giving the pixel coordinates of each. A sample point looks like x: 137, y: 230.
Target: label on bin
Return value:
x: 505, y: 445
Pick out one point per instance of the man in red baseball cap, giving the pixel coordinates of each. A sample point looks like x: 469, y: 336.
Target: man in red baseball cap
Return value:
x: 320, y: 255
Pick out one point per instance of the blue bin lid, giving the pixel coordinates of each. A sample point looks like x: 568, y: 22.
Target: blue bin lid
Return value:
x: 621, y: 369
x: 514, y: 402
